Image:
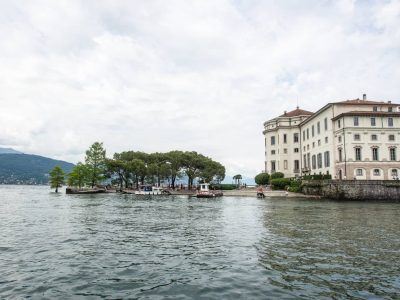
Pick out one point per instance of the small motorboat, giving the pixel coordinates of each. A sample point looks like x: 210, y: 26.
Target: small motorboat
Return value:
x: 149, y: 190
x: 205, y: 192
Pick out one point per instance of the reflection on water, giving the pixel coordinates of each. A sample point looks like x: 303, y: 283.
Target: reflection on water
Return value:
x: 122, y: 246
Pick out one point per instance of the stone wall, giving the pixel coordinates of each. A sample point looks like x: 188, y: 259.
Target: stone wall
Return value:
x: 384, y: 190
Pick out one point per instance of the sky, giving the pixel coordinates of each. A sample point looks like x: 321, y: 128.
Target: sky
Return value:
x: 190, y: 75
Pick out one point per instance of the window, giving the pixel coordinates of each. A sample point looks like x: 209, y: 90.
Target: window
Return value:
x: 326, y: 124
x: 285, y: 138
x: 304, y: 148
x: 304, y: 135
x: 375, y: 154
x: 390, y: 109
x: 313, y: 144
x: 391, y: 137
x: 326, y: 140
x: 390, y: 122
x: 319, y: 160
x: 296, y: 150
x: 318, y: 127
x: 377, y: 172
x: 308, y: 146
x: 296, y: 137
x: 326, y: 159
x: 340, y: 155
x: 374, y: 137
x: 312, y: 131
x: 273, y: 166
x: 394, y: 173
x: 338, y: 123
x: 314, y: 162
x: 375, y: 108
x: 357, y: 137
x: 296, y: 166
x: 340, y: 138
x: 373, y: 122
x: 308, y: 160
x: 305, y: 161
x: 285, y: 151
x: 285, y: 164
x: 272, y: 140
x: 272, y: 152
x: 319, y: 142
x: 357, y: 153
x: 308, y: 133
x: 392, y: 153
x: 359, y: 172
x: 356, y: 121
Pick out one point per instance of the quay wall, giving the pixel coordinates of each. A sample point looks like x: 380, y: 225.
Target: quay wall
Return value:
x: 384, y: 190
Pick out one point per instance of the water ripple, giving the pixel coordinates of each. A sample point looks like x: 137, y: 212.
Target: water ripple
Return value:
x: 121, y: 246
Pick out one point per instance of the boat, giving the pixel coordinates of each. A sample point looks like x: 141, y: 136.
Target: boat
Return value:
x: 205, y: 192
x: 149, y: 190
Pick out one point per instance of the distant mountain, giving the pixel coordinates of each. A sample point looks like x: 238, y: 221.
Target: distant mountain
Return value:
x: 19, y: 168
x: 9, y: 151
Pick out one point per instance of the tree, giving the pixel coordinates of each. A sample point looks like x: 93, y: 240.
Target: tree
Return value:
x: 78, y: 176
x: 175, y: 163
x: 95, y: 161
x: 262, y: 179
x: 57, y: 178
x: 237, y: 179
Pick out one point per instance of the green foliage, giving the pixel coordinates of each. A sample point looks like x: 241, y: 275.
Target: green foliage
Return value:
x: 133, y: 168
x: 78, y: 176
x: 277, y: 175
x: 96, y: 163
x: 57, y: 178
x: 317, y: 177
x: 225, y: 187
x: 280, y: 183
x: 295, y: 186
x: 262, y: 179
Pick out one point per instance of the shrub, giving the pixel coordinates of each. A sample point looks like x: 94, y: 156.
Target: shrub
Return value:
x: 277, y: 175
x: 262, y: 178
x: 317, y: 177
x: 280, y: 183
x: 295, y: 186
x: 223, y: 186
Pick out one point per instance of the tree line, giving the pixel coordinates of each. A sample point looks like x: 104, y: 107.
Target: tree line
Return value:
x: 129, y: 169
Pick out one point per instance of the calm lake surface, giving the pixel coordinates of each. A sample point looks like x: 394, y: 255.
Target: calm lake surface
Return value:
x: 122, y: 246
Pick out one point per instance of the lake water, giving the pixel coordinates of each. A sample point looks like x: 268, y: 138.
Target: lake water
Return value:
x: 122, y: 246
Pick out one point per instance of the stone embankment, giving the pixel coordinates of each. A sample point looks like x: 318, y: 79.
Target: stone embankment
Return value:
x: 383, y: 190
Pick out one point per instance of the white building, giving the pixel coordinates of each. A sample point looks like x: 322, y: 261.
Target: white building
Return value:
x: 352, y: 139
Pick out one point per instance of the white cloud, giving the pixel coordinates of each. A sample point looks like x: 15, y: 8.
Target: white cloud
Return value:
x: 195, y: 75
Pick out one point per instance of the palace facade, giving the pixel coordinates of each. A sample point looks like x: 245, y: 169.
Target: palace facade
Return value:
x: 352, y: 139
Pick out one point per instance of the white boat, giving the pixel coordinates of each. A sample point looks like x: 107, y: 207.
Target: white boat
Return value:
x: 149, y: 190
x: 205, y: 192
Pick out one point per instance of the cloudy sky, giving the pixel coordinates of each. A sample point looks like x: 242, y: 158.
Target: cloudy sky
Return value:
x: 191, y: 75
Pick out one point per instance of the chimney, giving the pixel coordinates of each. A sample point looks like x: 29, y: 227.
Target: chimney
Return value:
x: 284, y: 112
x: 364, y: 97
x: 390, y: 102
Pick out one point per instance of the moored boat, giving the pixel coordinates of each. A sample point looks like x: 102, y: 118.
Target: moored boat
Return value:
x: 149, y: 190
x: 205, y: 192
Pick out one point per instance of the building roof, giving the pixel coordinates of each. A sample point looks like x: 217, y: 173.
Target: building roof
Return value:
x: 297, y: 112
x: 367, y: 113
x: 364, y: 102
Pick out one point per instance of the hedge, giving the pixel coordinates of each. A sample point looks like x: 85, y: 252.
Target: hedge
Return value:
x: 295, y: 186
x: 223, y: 186
x: 280, y: 183
x: 262, y: 178
x: 317, y: 177
x: 277, y: 175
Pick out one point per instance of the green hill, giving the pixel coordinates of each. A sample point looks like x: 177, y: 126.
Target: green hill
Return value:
x: 28, y: 169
